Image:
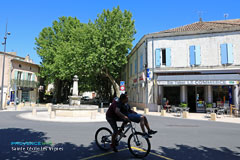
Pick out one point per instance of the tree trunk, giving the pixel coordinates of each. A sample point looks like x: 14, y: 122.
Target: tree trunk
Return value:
x: 114, y: 83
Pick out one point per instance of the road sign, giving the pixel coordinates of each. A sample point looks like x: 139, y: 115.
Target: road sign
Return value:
x: 122, y: 88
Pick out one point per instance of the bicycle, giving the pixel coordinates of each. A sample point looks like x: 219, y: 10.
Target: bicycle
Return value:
x: 138, y: 144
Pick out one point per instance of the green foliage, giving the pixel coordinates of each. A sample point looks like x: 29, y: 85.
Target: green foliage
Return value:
x: 112, y: 38
x: 209, y: 105
x: 92, y: 51
x: 183, y: 105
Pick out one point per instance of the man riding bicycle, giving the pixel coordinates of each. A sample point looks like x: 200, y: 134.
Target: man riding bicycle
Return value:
x: 121, y: 111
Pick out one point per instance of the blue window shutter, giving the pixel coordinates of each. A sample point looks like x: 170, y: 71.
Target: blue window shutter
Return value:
x: 158, y: 57
x: 168, y: 57
x: 230, y: 53
x: 224, y: 53
x: 15, y: 74
x: 198, y: 55
x: 141, y: 62
x: 192, y: 55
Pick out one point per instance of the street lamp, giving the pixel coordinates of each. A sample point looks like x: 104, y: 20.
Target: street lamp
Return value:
x: 5, y: 44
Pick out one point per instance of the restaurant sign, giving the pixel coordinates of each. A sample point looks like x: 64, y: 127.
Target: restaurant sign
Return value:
x: 200, y: 82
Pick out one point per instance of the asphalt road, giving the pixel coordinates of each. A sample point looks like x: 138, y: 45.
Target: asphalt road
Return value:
x: 176, y: 139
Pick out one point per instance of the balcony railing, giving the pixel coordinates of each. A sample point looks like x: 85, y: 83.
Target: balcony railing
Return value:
x: 24, y: 83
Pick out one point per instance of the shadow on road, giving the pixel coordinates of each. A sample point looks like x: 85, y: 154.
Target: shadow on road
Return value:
x: 185, y: 152
x: 73, y: 152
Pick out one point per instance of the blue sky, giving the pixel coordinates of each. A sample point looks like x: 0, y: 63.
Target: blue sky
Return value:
x: 26, y: 18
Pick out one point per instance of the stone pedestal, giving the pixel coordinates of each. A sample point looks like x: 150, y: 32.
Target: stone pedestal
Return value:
x: 185, y: 114
x: 213, y: 116
x: 146, y: 110
x: 163, y: 112
x: 102, y: 110
x: 49, y: 109
x: 19, y: 107
x: 135, y: 109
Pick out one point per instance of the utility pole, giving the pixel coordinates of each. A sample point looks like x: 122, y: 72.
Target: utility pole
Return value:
x: 5, y: 45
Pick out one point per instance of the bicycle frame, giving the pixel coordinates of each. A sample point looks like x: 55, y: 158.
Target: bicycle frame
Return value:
x: 129, y: 126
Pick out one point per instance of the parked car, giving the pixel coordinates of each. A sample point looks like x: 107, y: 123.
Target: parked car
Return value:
x: 85, y: 98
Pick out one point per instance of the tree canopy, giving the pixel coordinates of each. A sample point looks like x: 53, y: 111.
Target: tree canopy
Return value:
x: 91, y: 51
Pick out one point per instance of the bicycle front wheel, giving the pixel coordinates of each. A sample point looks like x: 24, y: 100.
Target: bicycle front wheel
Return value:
x: 103, y: 138
x: 138, y: 145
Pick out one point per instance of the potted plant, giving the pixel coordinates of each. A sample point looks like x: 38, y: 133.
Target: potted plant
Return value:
x: 209, y: 105
x: 183, y: 105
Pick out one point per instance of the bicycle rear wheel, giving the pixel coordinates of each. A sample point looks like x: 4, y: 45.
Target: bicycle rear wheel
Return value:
x: 103, y: 138
x: 138, y: 145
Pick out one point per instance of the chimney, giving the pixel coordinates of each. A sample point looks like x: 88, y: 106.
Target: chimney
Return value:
x: 27, y: 58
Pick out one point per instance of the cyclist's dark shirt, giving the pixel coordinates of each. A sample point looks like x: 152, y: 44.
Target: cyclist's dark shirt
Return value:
x: 124, y: 109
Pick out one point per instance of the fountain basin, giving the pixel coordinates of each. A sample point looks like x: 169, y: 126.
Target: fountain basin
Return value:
x: 75, y: 111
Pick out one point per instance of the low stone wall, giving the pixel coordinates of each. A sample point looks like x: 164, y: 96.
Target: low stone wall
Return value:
x: 141, y: 106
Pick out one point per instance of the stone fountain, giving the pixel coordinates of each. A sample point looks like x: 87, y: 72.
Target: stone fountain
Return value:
x: 75, y: 108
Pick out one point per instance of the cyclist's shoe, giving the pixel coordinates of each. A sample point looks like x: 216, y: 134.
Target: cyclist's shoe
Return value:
x: 114, y: 148
x: 152, y: 132
x: 145, y: 135
x: 122, y: 134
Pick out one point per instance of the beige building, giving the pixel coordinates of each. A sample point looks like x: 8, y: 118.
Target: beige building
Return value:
x: 197, y: 64
x: 20, y: 78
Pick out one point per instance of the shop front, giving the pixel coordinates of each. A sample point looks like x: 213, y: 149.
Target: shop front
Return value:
x: 199, y: 90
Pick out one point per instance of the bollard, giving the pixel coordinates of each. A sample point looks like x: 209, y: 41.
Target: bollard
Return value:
x: 19, y: 107
x: 34, y: 112
x: 135, y: 109
x: 146, y: 110
x: 158, y: 108
x: 102, y: 110
x: 93, y: 115
x: 185, y: 114
x: 47, y: 105
x: 213, y: 116
x: 52, y: 114
x: 49, y: 109
x: 102, y: 105
x: 163, y: 112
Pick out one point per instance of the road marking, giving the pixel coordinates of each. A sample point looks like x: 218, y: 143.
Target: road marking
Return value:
x: 155, y: 154
x: 104, y: 154
x: 158, y: 155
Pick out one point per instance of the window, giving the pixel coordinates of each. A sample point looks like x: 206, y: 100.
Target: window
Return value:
x: 20, y: 66
x: 226, y: 53
x: 130, y: 69
x: 163, y: 57
x: 29, y: 76
x: 135, y: 67
x: 141, y: 62
x: 195, y: 55
x: 19, y: 75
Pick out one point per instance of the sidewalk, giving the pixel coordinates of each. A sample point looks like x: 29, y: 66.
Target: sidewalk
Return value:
x: 197, y: 116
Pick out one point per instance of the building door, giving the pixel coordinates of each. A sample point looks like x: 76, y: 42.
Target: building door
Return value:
x: 192, y: 98
x: 200, y: 99
x: 25, y: 96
